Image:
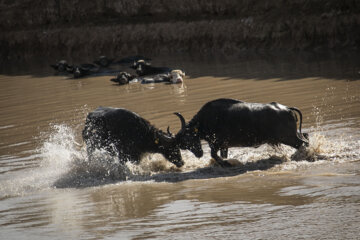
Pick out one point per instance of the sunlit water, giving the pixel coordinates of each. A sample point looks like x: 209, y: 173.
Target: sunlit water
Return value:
x: 48, y: 189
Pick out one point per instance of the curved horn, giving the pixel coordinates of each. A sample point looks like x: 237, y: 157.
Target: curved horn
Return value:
x: 168, y: 131
x: 181, y: 119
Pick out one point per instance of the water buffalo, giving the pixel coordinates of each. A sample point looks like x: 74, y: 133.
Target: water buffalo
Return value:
x: 144, y: 68
x: 126, y: 134
x: 104, y: 61
x: 85, y: 70
x: 123, y: 78
x: 175, y: 76
x: 61, y: 66
x: 88, y: 69
x: 225, y: 123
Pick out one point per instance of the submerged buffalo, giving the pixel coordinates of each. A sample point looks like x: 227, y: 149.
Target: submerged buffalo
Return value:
x: 126, y: 134
x: 175, y: 76
x: 144, y: 68
x: 88, y: 69
x: 85, y: 69
x: 78, y: 71
x: 123, y: 78
x: 225, y: 123
x: 61, y: 66
x: 104, y: 61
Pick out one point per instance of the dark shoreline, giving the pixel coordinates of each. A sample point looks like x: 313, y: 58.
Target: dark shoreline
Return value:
x: 80, y: 29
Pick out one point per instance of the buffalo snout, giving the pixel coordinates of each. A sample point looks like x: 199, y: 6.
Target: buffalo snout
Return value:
x: 198, y: 153
x: 178, y: 163
x: 175, y: 158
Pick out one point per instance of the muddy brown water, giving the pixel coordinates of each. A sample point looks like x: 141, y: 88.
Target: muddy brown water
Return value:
x: 48, y: 190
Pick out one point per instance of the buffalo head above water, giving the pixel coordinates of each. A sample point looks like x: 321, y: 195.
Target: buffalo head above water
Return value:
x: 188, y: 137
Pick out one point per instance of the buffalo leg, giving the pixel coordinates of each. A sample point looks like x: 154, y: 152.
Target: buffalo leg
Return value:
x: 218, y: 159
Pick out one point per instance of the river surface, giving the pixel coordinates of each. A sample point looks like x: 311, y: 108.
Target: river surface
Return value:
x: 48, y: 189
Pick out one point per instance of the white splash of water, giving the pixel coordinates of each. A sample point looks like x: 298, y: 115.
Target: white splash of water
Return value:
x: 329, y: 143
x: 55, y: 155
x: 72, y: 168
x: 60, y: 148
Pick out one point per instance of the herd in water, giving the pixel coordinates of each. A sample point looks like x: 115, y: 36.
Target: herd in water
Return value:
x: 144, y: 71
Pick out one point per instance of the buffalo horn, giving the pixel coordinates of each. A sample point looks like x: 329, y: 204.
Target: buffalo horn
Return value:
x: 181, y: 119
x: 168, y: 131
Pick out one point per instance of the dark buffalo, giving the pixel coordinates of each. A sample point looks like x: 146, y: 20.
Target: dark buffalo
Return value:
x: 225, y: 123
x: 88, y: 69
x: 104, y: 61
x: 77, y: 70
x: 126, y: 134
x: 123, y: 78
x: 85, y: 70
x: 61, y: 66
x: 175, y: 76
x: 144, y: 68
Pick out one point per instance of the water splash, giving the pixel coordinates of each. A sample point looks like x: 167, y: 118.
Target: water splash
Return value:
x: 54, y: 155
x: 330, y: 142
x: 74, y: 169
x: 77, y: 171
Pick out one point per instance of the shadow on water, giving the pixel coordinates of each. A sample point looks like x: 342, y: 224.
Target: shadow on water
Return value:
x: 87, y: 177
x: 247, y: 65
x: 217, y: 171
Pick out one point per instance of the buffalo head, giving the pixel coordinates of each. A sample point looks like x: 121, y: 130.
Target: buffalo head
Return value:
x: 60, y: 66
x: 140, y: 66
x: 78, y: 72
x: 123, y: 78
x: 170, y: 149
x: 176, y: 76
x: 188, y: 137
